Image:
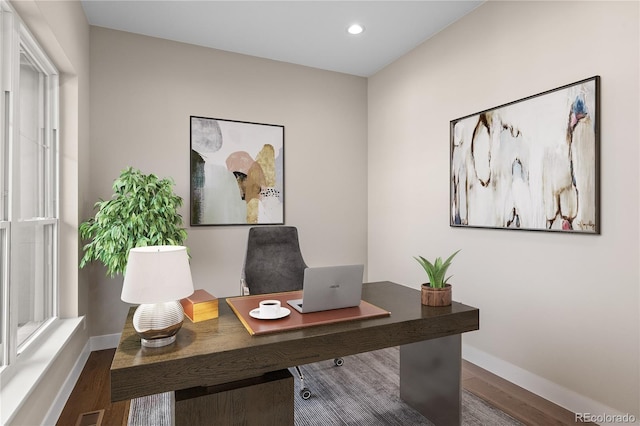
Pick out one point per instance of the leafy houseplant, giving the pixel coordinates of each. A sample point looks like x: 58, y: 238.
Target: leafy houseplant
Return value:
x: 143, y: 211
x: 436, y: 292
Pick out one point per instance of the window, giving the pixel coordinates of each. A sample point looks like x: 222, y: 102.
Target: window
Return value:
x: 29, y: 188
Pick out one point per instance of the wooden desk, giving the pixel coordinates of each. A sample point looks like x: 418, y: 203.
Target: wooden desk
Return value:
x: 220, y: 352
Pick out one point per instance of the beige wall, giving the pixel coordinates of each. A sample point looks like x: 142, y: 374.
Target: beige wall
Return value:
x: 143, y: 91
x: 62, y: 30
x: 558, y: 313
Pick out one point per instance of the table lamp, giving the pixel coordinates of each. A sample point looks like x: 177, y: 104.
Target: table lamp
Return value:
x: 157, y: 277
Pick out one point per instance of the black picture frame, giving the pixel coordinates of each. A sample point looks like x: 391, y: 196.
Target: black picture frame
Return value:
x: 531, y: 164
x: 236, y: 172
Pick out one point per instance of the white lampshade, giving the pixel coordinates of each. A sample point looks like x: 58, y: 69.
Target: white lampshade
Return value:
x: 157, y: 274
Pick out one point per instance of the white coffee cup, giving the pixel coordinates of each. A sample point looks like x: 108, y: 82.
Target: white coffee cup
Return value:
x: 269, y: 308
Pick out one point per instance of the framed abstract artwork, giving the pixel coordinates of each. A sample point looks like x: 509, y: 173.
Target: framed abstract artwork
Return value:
x: 532, y: 164
x: 237, y: 172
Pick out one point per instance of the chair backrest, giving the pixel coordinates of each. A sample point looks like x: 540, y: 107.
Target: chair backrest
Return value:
x: 273, y: 262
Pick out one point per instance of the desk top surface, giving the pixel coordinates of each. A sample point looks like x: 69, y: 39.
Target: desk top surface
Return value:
x: 220, y: 350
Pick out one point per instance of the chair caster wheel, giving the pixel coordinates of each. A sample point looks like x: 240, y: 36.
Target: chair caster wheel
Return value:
x: 305, y: 393
x: 338, y: 362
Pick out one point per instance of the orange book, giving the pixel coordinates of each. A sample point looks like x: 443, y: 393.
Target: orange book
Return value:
x: 200, y: 306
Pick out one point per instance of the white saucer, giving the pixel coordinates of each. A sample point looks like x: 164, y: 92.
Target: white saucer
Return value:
x: 255, y: 313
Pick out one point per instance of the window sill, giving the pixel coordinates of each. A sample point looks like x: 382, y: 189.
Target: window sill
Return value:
x: 19, y: 379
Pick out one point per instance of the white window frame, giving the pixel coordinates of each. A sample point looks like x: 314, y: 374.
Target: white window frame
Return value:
x: 14, y: 38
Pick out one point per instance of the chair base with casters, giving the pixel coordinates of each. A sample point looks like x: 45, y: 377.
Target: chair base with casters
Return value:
x: 305, y: 393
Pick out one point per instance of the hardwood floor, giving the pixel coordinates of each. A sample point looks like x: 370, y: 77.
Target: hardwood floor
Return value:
x: 519, y: 403
x: 92, y: 393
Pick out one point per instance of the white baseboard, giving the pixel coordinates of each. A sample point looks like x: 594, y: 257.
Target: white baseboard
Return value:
x: 107, y: 341
x: 547, y: 389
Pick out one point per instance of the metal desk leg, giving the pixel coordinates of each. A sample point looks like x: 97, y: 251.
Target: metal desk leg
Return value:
x: 431, y: 379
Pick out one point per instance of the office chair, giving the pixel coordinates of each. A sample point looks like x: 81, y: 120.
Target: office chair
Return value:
x: 273, y: 263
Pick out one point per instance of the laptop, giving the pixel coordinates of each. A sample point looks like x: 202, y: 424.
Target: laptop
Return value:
x: 330, y: 287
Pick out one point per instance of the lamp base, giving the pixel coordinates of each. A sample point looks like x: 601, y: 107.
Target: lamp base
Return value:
x: 158, y: 323
x: 157, y: 343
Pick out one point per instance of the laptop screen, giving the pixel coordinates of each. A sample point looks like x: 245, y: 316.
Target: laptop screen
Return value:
x: 330, y: 287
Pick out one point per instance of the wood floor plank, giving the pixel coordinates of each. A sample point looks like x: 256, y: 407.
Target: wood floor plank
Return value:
x: 502, y: 393
x: 93, y: 392
x: 510, y: 404
x: 467, y: 374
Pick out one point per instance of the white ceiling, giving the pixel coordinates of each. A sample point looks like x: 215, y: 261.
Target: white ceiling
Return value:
x: 310, y: 33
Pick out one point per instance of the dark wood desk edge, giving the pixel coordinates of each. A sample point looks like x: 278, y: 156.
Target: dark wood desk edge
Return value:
x: 201, y: 370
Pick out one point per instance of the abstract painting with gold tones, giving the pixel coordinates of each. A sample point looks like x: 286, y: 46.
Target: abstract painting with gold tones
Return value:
x: 237, y: 172
x: 532, y: 164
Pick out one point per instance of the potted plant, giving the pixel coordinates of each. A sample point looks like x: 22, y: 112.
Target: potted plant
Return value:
x: 143, y: 211
x: 436, y: 292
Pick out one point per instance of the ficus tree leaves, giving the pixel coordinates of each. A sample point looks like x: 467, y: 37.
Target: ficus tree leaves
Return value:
x: 143, y: 211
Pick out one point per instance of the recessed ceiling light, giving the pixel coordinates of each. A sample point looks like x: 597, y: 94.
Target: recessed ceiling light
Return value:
x: 355, y: 29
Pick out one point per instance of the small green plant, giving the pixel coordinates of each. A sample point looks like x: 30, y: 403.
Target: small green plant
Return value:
x: 143, y: 211
x: 436, y: 270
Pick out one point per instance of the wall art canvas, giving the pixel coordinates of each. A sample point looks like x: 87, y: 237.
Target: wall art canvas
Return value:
x: 237, y: 172
x: 532, y: 164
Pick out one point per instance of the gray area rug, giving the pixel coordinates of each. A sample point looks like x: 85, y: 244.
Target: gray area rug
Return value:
x: 153, y: 410
x: 365, y: 391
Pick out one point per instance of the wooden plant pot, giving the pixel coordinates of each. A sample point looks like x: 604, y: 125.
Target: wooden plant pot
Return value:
x: 436, y: 296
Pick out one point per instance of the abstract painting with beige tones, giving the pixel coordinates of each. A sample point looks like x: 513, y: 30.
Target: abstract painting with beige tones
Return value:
x: 237, y: 172
x: 531, y: 164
